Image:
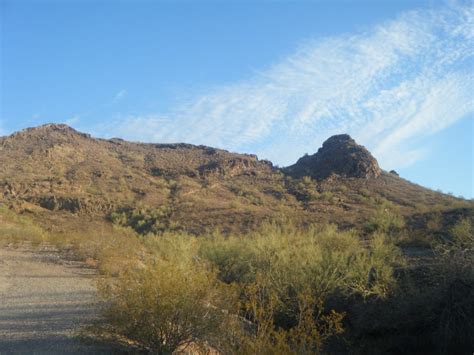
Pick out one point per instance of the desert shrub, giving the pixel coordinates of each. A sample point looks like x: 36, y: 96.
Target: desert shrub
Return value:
x: 457, y: 250
x: 169, y: 302
x: 421, y: 207
x: 109, y: 250
x: 431, y: 309
x: 185, y: 290
x: 385, y: 221
x: 309, y: 335
x: 324, y: 260
x: 434, y: 222
x: 144, y: 220
x: 364, y: 192
x: 455, y: 293
x: 250, y: 195
x: 462, y: 234
x: 15, y: 228
x: 304, y: 189
x: 341, y: 188
x: 326, y: 196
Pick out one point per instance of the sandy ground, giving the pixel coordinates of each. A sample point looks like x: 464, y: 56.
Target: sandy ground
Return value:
x: 45, y: 301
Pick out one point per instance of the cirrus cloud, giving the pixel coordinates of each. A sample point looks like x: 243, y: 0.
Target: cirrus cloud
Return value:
x: 389, y: 87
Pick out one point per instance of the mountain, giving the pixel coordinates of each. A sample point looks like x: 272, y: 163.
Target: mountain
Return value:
x: 56, y: 173
x: 339, y: 155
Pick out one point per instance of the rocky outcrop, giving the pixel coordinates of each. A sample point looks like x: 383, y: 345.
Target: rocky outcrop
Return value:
x: 339, y: 155
x: 72, y: 204
x: 235, y: 166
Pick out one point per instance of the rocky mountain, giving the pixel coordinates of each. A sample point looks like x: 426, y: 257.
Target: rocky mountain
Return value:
x: 339, y: 155
x: 53, y: 171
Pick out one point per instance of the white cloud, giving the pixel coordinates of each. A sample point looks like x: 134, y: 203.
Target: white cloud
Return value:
x: 120, y: 95
x: 73, y: 120
x: 389, y: 87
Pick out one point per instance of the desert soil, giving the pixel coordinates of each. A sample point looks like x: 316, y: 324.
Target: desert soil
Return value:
x: 46, y: 300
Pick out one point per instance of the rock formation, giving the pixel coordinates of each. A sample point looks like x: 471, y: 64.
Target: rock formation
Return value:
x: 339, y: 155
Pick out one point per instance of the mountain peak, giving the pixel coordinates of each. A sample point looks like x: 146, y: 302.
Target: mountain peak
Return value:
x: 52, y: 127
x: 44, y: 137
x: 340, y: 155
x: 55, y: 126
x: 338, y: 139
x: 51, y: 130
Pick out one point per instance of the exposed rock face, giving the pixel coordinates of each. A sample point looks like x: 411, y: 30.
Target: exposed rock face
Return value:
x: 73, y: 204
x: 235, y: 166
x: 339, y: 155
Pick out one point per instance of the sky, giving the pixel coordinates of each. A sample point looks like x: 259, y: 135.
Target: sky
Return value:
x: 275, y: 78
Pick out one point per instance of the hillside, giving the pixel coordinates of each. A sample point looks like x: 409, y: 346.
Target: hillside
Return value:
x: 391, y: 273
x: 56, y: 172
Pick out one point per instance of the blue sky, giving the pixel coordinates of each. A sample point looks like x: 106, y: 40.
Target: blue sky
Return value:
x: 275, y: 78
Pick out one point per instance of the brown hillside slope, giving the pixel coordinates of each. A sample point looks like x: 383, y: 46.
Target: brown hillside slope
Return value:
x: 53, y: 170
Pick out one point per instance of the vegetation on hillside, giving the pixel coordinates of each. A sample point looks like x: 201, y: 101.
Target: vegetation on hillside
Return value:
x: 205, y: 249
x: 279, y: 289
x: 277, y: 282
x: 197, y: 189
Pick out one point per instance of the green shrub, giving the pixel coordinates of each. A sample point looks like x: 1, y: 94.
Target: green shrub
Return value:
x: 15, y: 228
x: 304, y: 189
x: 454, y: 289
x: 430, y: 310
x: 309, y: 334
x: 462, y: 233
x: 168, y: 303
x: 326, y: 260
x: 185, y: 292
x: 250, y: 195
x: 386, y: 221
x: 144, y: 220
x: 364, y: 192
x: 326, y: 196
x: 341, y: 188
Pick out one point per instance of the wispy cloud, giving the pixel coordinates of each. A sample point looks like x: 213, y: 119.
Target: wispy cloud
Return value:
x: 120, y: 95
x: 72, y: 120
x: 389, y: 87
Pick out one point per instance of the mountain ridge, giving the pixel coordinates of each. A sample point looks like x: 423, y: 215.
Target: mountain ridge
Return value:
x: 54, y: 131
x: 54, y: 169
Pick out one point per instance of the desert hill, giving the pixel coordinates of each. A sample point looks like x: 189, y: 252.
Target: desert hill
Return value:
x: 54, y: 170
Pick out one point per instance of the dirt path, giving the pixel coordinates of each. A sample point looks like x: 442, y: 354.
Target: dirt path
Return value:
x: 45, y: 300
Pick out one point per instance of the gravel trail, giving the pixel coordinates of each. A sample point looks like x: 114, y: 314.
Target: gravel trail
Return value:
x: 45, y: 300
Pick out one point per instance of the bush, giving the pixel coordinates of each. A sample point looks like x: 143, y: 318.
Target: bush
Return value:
x: 327, y: 195
x: 304, y: 189
x: 457, y: 251
x: 144, y: 220
x: 385, y: 221
x: 168, y: 304
x: 310, y: 333
x: 15, y: 229
x: 186, y: 290
x: 431, y: 309
x: 325, y: 261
